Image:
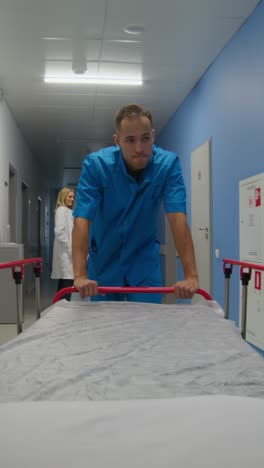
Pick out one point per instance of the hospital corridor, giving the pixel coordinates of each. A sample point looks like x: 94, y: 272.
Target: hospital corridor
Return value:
x: 131, y: 233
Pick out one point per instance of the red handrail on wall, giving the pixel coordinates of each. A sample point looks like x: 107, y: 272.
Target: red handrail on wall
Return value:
x: 245, y: 277
x: 127, y: 289
x: 253, y: 266
x: 17, y: 268
x: 18, y: 263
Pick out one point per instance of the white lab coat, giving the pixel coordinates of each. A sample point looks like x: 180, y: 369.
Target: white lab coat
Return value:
x: 62, y: 249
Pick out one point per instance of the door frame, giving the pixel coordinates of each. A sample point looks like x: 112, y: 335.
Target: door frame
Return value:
x: 210, y: 214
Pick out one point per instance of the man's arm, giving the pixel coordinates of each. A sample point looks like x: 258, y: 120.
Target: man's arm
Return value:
x: 184, y: 245
x: 80, y: 239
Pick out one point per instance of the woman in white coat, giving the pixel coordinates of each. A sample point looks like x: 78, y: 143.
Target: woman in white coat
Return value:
x: 62, y: 249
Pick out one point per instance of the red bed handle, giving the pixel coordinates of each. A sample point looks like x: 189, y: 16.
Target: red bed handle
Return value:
x: 127, y: 289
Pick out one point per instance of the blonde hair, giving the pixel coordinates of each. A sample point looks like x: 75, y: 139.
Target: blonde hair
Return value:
x: 64, y: 192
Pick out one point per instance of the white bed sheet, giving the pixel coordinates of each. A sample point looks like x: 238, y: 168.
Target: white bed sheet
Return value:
x: 121, y: 350
x: 190, y: 432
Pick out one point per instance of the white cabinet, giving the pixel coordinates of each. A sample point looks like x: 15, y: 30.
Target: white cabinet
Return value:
x: 9, y: 252
x: 251, y: 203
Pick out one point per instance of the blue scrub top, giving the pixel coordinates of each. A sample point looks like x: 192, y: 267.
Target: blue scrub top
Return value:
x: 123, y: 246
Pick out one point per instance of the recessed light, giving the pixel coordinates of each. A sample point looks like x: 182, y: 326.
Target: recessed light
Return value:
x: 134, y: 29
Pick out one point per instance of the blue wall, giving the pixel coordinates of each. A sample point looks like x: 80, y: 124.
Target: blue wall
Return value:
x: 227, y: 104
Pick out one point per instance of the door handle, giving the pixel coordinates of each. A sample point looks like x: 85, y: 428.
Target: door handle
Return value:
x: 205, y: 229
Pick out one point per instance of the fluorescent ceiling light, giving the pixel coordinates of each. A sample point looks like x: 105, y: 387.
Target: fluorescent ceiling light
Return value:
x: 85, y: 80
x: 69, y: 38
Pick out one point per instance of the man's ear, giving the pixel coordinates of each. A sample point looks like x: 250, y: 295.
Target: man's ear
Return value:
x: 153, y: 134
x: 116, y: 139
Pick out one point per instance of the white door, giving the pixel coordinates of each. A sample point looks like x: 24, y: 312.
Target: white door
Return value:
x: 201, y: 212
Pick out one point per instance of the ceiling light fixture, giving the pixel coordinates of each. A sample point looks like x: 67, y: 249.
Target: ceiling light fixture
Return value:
x: 55, y: 38
x: 96, y: 81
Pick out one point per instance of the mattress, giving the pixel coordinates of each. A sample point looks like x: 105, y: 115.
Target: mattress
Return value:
x: 122, y: 351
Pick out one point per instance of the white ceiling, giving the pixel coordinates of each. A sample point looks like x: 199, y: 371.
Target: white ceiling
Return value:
x: 61, y: 123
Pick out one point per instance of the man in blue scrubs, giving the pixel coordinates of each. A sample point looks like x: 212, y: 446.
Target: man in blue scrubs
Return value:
x: 118, y: 199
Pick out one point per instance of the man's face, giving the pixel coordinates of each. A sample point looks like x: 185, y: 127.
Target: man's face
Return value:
x: 135, y: 138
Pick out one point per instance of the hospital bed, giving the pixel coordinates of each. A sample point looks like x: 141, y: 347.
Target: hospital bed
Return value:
x: 120, y: 384
x: 127, y: 350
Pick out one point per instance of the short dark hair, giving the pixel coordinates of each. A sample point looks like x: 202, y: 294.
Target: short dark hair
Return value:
x: 131, y: 111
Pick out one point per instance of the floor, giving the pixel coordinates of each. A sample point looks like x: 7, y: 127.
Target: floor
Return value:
x: 47, y: 292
